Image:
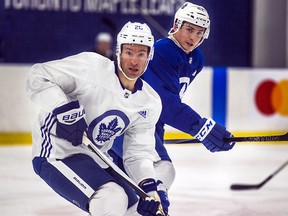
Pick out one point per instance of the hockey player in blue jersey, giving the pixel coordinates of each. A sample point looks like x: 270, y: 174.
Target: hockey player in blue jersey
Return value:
x: 88, y: 93
x: 177, y: 61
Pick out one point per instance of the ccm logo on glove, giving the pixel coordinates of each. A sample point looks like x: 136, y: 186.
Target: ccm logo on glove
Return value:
x: 205, y: 130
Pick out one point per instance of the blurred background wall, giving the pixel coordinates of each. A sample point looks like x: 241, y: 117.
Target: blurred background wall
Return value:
x: 243, y: 33
x: 269, y: 33
x: 41, y: 30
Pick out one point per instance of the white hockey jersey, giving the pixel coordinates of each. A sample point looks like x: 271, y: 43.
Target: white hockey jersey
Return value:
x: 111, y: 110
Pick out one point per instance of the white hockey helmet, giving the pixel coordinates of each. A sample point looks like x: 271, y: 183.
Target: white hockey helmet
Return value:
x: 135, y: 33
x: 194, y: 14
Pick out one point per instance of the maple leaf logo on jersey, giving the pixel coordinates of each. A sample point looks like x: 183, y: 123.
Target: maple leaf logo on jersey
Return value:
x: 106, y: 132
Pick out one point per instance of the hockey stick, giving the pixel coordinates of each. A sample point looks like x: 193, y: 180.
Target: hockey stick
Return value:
x: 272, y: 138
x: 257, y: 186
x: 109, y: 163
x: 117, y: 170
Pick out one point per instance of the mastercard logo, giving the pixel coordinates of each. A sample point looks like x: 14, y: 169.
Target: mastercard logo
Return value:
x: 272, y: 97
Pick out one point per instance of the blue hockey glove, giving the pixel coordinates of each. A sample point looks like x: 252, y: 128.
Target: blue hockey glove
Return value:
x: 212, y: 135
x: 149, y: 206
x: 164, y: 201
x: 70, y: 122
x: 163, y: 197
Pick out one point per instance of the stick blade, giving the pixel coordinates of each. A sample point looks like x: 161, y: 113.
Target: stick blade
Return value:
x: 244, y: 187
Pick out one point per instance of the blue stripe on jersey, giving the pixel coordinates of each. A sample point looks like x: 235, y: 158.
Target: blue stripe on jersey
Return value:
x: 219, y: 95
x: 45, y: 134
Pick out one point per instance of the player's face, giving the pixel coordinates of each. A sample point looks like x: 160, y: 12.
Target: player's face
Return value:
x: 133, y: 59
x: 189, y: 36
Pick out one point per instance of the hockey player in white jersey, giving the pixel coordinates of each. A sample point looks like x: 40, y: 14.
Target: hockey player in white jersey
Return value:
x: 89, y: 94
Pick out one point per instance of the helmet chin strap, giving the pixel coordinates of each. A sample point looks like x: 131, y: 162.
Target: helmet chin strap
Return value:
x: 171, y: 36
x: 120, y: 68
x: 178, y: 44
x: 131, y: 79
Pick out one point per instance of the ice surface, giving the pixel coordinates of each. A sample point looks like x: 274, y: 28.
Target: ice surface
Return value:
x: 201, y: 187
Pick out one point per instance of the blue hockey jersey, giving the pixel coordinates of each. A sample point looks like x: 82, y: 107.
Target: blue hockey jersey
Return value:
x: 169, y: 73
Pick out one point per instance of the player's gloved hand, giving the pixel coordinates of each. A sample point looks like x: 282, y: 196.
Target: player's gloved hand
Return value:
x: 164, y: 201
x: 212, y: 135
x: 70, y: 122
x: 163, y: 197
x: 150, y: 206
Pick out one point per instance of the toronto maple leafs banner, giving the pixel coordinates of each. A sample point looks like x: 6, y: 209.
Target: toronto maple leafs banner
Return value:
x: 39, y: 30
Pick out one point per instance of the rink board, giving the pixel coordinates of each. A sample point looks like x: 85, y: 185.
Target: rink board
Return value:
x: 228, y: 95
